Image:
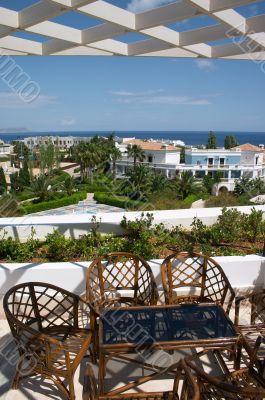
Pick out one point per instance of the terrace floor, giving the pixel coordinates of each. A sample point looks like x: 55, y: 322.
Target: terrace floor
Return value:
x: 117, y: 373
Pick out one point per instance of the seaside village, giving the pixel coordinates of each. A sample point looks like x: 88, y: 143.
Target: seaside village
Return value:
x: 169, y: 158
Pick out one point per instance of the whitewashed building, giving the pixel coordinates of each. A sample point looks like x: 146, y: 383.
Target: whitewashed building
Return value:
x: 63, y: 142
x: 246, y: 160
x: 5, y: 148
x: 161, y: 157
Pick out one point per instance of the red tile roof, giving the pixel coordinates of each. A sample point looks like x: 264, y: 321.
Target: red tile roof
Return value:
x: 151, y: 145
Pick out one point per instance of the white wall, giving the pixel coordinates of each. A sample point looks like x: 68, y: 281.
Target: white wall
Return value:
x: 242, y: 272
x: 249, y: 158
x: 76, y: 225
x: 173, y: 157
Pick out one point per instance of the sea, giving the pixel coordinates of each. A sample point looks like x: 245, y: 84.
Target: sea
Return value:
x: 188, y: 137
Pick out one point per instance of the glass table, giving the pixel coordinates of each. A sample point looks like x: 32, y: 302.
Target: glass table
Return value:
x: 143, y: 330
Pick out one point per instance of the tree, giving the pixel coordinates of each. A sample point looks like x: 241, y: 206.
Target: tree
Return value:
x: 159, y: 183
x: 89, y: 156
x: 136, y: 152
x: 186, y: 184
x: 230, y: 142
x: 50, y: 157
x: 69, y: 185
x: 182, y: 155
x: 250, y: 187
x: 24, y: 175
x: 211, y: 143
x: 114, y: 154
x: 208, y: 183
x: 20, y: 149
x: 138, y: 183
x: 14, y: 182
x: 3, y: 184
x: 40, y: 187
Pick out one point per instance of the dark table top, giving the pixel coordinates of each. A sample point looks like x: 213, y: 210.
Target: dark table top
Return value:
x: 165, y: 324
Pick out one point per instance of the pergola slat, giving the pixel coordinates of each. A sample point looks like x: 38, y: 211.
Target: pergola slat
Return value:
x: 245, y: 36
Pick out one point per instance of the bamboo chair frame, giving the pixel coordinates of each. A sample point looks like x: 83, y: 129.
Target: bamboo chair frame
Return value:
x: 198, y: 273
x: 110, y: 275
x: 256, y: 325
x: 243, y: 383
x: 51, y: 328
x: 91, y: 392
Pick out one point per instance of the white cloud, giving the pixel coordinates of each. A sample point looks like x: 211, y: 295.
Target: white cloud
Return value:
x: 68, y: 121
x: 205, y: 65
x: 154, y: 97
x: 137, y: 6
x: 134, y: 94
x: 14, y: 100
x: 177, y: 100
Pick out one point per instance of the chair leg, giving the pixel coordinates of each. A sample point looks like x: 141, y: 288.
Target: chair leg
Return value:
x: 16, y: 380
x: 71, y: 389
x: 17, y: 377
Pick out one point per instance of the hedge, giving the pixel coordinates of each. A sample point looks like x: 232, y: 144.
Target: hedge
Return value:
x: 116, y: 201
x: 25, y: 195
x: 49, y: 205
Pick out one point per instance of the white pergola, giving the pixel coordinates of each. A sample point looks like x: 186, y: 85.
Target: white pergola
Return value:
x: 247, y: 35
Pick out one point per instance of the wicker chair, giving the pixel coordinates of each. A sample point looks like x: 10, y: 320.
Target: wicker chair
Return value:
x: 198, y: 274
x: 120, y: 278
x: 250, y: 320
x: 90, y: 389
x: 51, y: 328
x: 237, y: 384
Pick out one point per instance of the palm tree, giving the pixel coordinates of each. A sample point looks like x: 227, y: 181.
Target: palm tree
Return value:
x: 138, y: 183
x: 114, y: 154
x: 78, y: 152
x: 186, y: 184
x: 40, y: 187
x: 88, y: 156
x: 136, y: 152
x: 159, y: 183
x: 93, y: 156
x: 69, y: 185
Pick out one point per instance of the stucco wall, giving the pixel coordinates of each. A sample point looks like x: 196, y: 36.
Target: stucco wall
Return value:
x: 242, y: 272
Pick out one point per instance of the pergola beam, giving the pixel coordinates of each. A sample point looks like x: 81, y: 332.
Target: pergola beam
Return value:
x: 161, y: 40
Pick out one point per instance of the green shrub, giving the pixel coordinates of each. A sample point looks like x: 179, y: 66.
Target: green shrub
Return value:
x: 49, y: 205
x: 253, y: 225
x: 25, y: 195
x: 149, y: 240
x: 58, y: 176
x: 58, y: 247
x: 15, y: 251
x: 191, y: 198
x: 229, y: 225
x: 116, y: 201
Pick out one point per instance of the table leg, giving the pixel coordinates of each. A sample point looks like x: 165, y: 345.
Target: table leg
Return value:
x: 101, y: 372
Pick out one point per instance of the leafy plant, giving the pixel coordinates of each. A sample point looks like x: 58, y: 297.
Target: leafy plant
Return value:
x: 253, y: 225
x: 49, y: 205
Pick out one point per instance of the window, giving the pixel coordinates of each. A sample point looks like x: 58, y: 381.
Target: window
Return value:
x: 257, y: 160
x: 150, y: 159
x: 222, y: 162
x: 198, y: 162
x: 210, y: 162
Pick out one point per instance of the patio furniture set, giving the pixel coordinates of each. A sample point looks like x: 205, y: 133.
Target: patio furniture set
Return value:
x: 121, y: 317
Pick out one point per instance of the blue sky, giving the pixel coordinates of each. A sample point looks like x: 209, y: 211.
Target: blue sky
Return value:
x: 120, y: 93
